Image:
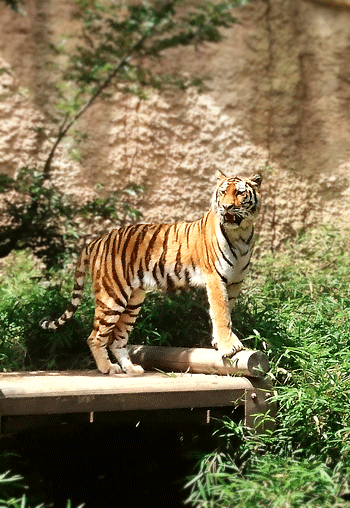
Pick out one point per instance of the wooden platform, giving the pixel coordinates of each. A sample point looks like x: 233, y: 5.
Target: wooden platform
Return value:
x: 31, y: 399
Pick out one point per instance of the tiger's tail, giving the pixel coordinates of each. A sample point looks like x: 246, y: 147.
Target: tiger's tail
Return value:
x: 79, y: 280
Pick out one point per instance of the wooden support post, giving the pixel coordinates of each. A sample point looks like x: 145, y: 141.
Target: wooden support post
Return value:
x: 199, y: 360
x: 260, y: 410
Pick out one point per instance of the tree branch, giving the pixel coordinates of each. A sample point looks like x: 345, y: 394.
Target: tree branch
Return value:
x: 65, y: 127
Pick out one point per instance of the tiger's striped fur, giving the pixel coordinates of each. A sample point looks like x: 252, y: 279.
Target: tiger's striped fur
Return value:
x: 213, y: 251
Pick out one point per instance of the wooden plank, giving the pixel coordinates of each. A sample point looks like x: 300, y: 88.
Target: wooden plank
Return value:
x: 51, y: 392
x: 79, y: 392
x: 92, y: 382
x: 199, y: 360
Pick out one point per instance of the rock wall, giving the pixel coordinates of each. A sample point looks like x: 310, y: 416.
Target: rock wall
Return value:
x: 277, y: 99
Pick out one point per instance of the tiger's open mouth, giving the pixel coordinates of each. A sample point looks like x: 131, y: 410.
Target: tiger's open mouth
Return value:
x: 232, y: 218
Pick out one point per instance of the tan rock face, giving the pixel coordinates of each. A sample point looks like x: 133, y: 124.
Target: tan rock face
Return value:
x: 277, y: 99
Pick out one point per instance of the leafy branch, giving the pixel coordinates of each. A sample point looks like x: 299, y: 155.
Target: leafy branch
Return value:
x: 113, y: 46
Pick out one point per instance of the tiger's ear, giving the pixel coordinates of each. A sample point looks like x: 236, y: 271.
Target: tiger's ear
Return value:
x: 257, y: 178
x: 220, y: 176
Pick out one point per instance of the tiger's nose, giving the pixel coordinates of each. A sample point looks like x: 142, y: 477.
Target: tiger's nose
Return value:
x: 230, y: 208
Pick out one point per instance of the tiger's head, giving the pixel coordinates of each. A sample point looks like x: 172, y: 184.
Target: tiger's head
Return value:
x: 237, y: 200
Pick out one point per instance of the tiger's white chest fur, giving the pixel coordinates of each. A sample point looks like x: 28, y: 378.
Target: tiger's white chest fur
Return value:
x: 236, y: 246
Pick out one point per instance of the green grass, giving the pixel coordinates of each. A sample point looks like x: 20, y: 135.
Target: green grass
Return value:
x: 25, y: 298
x: 295, y: 306
x: 9, y: 486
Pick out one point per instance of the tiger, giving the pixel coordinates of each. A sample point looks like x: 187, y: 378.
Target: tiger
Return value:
x: 212, y: 252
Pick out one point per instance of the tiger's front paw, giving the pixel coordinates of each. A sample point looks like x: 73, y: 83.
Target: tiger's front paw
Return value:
x: 228, y: 347
x: 134, y: 370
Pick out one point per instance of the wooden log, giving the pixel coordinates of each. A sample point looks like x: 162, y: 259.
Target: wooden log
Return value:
x: 199, y: 360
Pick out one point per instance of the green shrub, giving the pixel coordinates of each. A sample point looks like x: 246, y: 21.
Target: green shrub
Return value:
x: 174, y: 319
x: 25, y: 298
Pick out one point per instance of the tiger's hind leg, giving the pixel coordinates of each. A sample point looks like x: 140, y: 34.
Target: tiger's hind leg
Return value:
x: 98, y: 342
x: 122, y: 331
x: 107, y: 315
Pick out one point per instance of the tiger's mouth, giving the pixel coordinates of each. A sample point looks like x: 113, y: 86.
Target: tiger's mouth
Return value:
x: 232, y: 218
